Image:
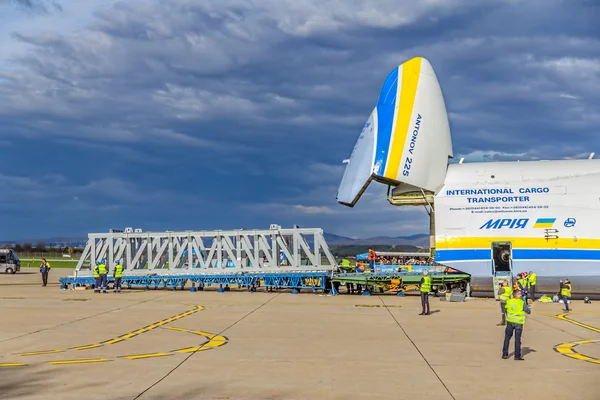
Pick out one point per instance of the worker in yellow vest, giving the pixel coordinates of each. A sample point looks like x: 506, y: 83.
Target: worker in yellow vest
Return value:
x: 505, y: 292
x: 425, y: 288
x: 97, y: 277
x: 532, y: 281
x: 103, y: 275
x: 345, y: 265
x: 516, y: 309
x: 523, y: 285
x: 118, y: 275
x: 565, y: 292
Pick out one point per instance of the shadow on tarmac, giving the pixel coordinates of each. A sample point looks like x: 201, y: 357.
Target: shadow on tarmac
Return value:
x: 18, y: 382
x: 524, y: 351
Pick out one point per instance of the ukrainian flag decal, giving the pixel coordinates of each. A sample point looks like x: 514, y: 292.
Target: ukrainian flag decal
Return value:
x: 544, y: 223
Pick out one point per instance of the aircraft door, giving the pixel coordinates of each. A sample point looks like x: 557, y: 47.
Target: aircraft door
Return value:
x: 501, y: 264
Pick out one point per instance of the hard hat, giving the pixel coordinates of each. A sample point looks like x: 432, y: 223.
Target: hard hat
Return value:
x: 117, y: 261
x: 97, y: 262
x: 103, y: 260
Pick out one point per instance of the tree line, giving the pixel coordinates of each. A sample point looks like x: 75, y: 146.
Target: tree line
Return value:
x: 28, y: 249
x: 353, y: 250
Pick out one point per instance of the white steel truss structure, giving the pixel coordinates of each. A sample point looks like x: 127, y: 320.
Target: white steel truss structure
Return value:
x: 209, y: 252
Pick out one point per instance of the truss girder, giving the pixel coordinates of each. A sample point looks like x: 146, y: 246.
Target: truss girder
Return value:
x: 201, y: 252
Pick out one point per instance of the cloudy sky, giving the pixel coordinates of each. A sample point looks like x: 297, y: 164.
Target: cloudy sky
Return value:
x: 223, y: 114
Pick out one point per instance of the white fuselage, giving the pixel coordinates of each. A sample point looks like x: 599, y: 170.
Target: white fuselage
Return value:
x: 549, y: 212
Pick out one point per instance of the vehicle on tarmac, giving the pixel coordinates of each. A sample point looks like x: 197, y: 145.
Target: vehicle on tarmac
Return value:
x: 9, y: 261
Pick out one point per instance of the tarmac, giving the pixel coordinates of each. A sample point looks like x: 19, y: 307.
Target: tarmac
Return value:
x: 165, y: 344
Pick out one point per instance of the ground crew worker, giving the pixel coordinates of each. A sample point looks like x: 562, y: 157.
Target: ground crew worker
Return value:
x: 532, y: 281
x: 565, y: 292
x: 515, y: 320
x: 118, y: 275
x: 44, y: 269
x: 372, y: 256
x: 505, y: 292
x: 345, y: 264
x: 425, y: 288
x: 103, y: 275
x: 97, y: 276
x: 522, y: 284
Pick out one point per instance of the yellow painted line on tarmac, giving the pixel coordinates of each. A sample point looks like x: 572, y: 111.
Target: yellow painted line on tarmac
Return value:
x: 564, y: 350
x: 564, y: 318
x: 208, y: 335
x: 84, y: 361
x: 568, y: 349
x: 213, y: 340
x: 35, y: 353
x: 192, y: 349
x: 149, y: 355
x: 89, y: 346
x: 12, y: 365
x: 142, y: 330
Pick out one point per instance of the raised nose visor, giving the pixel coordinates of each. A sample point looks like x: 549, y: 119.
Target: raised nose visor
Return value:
x: 406, y: 140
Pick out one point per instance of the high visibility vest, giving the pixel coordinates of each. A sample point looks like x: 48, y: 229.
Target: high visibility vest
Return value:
x: 507, y: 293
x: 426, y: 285
x: 515, y: 312
x: 371, y: 255
x: 97, y: 271
x: 345, y: 262
x: 523, y: 282
x: 566, y: 290
x: 532, y: 279
x: 118, y: 271
x: 102, y: 269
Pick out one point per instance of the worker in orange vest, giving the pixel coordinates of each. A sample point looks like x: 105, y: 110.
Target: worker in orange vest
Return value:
x: 372, y: 257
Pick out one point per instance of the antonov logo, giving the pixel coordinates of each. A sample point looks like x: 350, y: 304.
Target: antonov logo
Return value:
x: 510, y: 223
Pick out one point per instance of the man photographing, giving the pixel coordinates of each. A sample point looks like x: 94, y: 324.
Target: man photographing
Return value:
x: 516, y: 309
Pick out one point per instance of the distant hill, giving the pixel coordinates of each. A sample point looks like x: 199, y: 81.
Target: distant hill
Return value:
x: 418, y: 240
x: 75, y: 242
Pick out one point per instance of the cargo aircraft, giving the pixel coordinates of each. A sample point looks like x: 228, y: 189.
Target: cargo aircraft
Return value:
x: 491, y: 220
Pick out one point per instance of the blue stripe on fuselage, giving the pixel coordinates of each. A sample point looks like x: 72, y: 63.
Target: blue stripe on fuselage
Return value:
x: 518, y: 254
x: 386, y: 106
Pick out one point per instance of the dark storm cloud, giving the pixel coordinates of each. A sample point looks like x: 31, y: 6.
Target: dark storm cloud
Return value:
x: 39, y: 6
x: 250, y: 106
